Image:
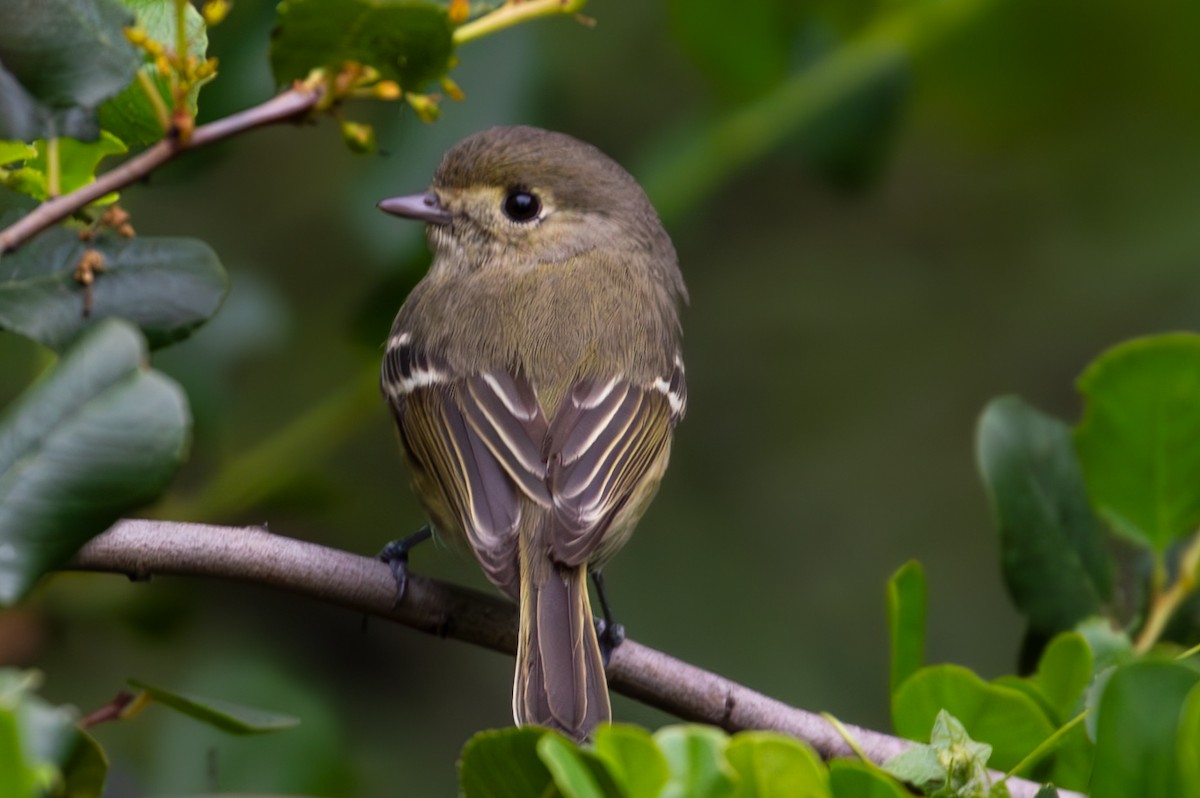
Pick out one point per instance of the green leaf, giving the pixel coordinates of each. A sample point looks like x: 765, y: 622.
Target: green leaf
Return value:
x: 1007, y: 719
x: 17, y: 777
x: 408, y: 41
x: 15, y: 152
x: 1139, y: 734
x: 696, y: 761
x: 919, y: 766
x: 768, y: 764
x: 569, y: 766
x: 965, y: 759
x: 1108, y: 646
x: 1063, y: 674
x: 77, y: 162
x: 1053, y: 554
x: 907, y: 598
x: 218, y: 713
x: 96, y: 437
x: 130, y: 114
x: 849, y: 778
x: 59, y: 59
x: 1187, y: 742
x: 86, y: 770
x: 167, y: 286
x: 42, y: 738
x: 505, y: 764
x: 1137, y: 438
x: 633, y: 760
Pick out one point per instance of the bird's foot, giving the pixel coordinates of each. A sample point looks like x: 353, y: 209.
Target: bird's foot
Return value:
x: 395, y: 554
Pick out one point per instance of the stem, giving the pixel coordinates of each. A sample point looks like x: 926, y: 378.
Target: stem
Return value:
x: 181, y: 44
x: 1046, y: 746
x: 1164, y: 604
x: 113, y: 710
x: 151, y: 91
x: 53, y: 168
x: 290, y: 104
x: 251, y: 554
x: 514, y: 12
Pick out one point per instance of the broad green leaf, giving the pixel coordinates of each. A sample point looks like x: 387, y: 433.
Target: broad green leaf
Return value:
x: 59, y: 59
x: 1187, y: 742
x: 97, y: 436
x: 1137, y: 438
x: 1047, y: 791
x: 1108, y: 646
x: 634, y: 761
x: 849, y: 778
x: 37, y: 739
x: 573, y: 775
x: 1053, y: 554
x: 49, y: 733
x: 505, y: 764
x: 130, y: 114
x: 77, y: 162
x: 767, y: 764
x: 218, y: 713
x: 1138, y: 734
x: 1063, y: 674
x: 86, y: 770
x: 1026, y: 686
x: 167, y: 286
x: 1007, y: 719
x: 408, y: 41
x: 907, y: 598
x: 696, y: 761
x: 17, y: 777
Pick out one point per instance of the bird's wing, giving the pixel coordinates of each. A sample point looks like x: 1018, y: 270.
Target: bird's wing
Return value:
x: 479, y: 438
x: 604, y: 439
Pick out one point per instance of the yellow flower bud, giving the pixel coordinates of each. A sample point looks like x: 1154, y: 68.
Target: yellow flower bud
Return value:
x: 215, y: 11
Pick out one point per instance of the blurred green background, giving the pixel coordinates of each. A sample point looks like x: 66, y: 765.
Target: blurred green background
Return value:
x: 979, y: 212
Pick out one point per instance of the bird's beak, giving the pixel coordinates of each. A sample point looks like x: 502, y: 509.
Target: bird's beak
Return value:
x: 422, y: 207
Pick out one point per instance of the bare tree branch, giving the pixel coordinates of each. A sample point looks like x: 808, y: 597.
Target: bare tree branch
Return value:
x: 141, y: 549
x: 288, y: 105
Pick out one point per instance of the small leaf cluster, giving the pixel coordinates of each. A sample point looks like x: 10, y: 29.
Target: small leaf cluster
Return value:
x: 685, y: 761
x: 1100, y: 550
x: 45, y: 752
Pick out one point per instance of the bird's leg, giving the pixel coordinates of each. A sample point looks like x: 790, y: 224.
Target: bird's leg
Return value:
x: 395, y: 554
x: 610, y: 633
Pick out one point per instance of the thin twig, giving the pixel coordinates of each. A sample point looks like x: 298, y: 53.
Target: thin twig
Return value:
x: 290, y: 104
x: 250, y: 554
x: 111, y: 711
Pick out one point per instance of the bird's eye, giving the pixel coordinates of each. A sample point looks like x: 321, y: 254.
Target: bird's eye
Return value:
x: 521, y: 205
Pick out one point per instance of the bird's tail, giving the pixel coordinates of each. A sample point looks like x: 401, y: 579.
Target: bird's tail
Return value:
x: 560, y: 680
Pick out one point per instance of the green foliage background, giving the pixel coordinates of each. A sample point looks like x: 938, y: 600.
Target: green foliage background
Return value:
x: 983, y: 220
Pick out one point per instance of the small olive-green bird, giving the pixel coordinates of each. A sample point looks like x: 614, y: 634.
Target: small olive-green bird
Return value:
x: 535, y: 376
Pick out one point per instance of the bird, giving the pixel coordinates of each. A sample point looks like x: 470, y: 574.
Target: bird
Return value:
x: 535, y: 377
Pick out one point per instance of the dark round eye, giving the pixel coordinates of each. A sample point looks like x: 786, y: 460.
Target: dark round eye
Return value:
x: 521, y: 205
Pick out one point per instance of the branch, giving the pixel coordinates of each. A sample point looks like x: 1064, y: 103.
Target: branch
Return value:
x: 251, y: 554
x: 289, y: 105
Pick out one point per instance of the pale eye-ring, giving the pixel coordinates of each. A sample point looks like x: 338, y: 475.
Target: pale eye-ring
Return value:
x: 521, y: 205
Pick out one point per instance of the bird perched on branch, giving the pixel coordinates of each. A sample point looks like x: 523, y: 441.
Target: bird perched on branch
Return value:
x: 535, y: 377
